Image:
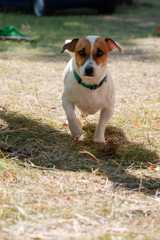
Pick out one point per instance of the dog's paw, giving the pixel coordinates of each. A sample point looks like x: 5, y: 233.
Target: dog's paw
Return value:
x: 99, y: 139
x: 76, y: 129
x: 77, y: 133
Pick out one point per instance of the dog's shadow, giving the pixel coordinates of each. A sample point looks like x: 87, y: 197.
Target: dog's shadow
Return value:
x: 39, y: 144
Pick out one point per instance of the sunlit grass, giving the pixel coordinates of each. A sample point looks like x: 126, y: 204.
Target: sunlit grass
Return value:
x: 53, y: 186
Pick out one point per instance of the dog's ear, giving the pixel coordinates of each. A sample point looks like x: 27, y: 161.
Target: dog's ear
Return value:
x: 70, y: 46
x: 112, y: 45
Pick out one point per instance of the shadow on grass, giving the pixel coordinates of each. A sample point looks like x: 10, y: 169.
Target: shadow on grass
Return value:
x: 33, y: 142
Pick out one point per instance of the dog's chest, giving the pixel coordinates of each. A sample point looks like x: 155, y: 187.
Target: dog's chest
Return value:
x: 88, y: 101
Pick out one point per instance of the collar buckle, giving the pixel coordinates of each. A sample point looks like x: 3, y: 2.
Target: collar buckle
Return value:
x: 94, y: 87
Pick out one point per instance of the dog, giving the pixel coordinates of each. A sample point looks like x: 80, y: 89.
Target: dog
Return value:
x: 88, y: 84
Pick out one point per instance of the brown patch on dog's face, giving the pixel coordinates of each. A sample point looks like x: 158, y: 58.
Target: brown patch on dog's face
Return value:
x: 82, y: 51
x: 91, y: 54
x: 100, y: 51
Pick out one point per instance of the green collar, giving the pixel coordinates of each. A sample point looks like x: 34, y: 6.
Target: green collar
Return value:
x: 91, y: 87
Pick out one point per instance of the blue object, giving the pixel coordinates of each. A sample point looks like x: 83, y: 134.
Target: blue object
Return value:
x: 13, y: 2
x: 40, y: 7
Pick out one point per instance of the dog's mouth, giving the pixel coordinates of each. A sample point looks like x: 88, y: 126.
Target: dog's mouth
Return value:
x: 89, y: 75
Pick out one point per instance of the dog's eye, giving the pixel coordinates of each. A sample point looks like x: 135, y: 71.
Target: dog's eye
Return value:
x: 82, y: 52
x: 99, y: 53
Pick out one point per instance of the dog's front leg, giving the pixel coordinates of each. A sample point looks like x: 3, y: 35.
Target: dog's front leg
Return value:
x: 73, y: 122
x: 100, y: 130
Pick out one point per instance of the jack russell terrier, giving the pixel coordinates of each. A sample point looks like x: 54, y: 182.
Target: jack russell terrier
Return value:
x: 88, y: 83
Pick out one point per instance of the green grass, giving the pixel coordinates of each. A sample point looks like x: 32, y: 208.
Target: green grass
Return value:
x: 53, y: 186
x: 51, y: 31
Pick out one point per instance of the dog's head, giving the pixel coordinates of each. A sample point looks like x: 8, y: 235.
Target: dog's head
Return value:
x: 91, y: 54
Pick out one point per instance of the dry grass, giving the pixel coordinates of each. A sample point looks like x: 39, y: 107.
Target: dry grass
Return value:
x: 67, y: 205
x: 52, y: 187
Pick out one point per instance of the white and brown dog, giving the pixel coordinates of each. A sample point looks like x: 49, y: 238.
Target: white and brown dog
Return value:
x: 88, y: 83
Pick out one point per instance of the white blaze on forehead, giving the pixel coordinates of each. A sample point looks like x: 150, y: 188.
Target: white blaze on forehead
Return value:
x: 90, y: 60
x: 92, y: 40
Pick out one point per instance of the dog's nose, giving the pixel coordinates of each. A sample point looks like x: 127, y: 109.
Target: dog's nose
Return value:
x: 89, y: 71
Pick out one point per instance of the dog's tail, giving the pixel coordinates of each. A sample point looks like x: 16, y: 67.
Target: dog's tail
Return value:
x: 70, y: 53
